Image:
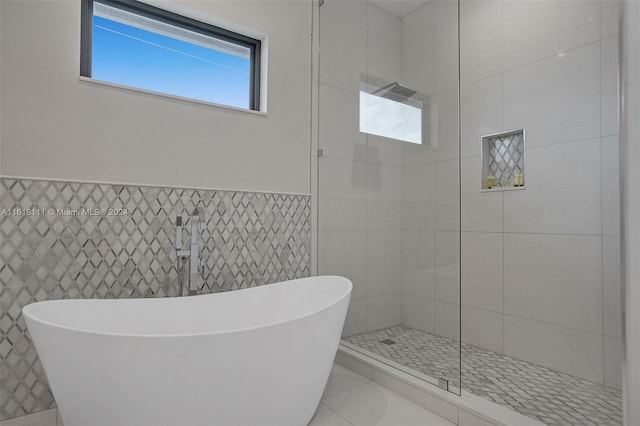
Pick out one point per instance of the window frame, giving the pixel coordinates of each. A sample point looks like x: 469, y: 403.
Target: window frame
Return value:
x: 171, y: 18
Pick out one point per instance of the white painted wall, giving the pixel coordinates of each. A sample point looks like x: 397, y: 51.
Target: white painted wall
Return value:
x: 55, y: 126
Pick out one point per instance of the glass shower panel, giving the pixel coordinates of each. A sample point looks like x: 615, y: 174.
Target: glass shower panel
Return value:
x: 389, y: 179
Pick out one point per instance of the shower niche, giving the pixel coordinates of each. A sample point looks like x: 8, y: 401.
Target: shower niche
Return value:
x: 503, y: 161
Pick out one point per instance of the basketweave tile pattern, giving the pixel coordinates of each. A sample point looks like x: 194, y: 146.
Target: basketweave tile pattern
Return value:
x: 538, y: 392
x: 250, y: 239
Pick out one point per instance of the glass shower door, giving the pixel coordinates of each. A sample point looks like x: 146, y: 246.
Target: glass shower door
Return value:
x: 389, y: 179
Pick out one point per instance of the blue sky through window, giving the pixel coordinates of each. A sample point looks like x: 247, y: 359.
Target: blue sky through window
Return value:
x: 131, y: 56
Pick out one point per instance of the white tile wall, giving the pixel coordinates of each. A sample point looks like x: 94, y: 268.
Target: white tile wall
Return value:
x: 564, y: 349
x: 555, y: 279
x: 383, y: 214
x: 342, y: 178
x: 384, y: 182
x: 566, y: 87
x: 342, y: 213
x: 446, y: 104
x: 563, y: 191
x: 384, y: 60
x: 352, y: 12
x: 384, y: 151
x: 613, y: 362
x: 538, y: 29
x: 482, y: 281
x: 344, y: 253
x: 481, y: 211
x: 384, y: 311
x: 609, y: 16
x: 356, y: 321
x: 446, y: 49
x: 480, y: 113
x: 418, y: 23
x: 384, y: 263
x: 611, y: 185
x: 481, y: 41
x: 419, y: 312
x: 447, y: 195
x: 418, y: 260
x: 384, y: 24
x: 418, y: 68
x: 339, y: 133
x: 344, y: 51
x: 612, y: 287
x: 448, y: 266
x: 483, y: 329
x: 448, y: 320
x: 418, y: 215
x: 419, y: 183
x: 544, y: 66
x: 360, y: 176
x: 610, y: 84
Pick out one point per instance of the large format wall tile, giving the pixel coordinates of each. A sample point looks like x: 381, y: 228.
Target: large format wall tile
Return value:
x: 536, y: 29
x: 556, y: 99
x: 610, y: 86
x: 384, y: 24
x: 344, y: 52
x: 482, y: 284
x: 481, y: 211
x: 576, y: 352
x: 483, y: 329
x: 344, y: 253
x: 419, y: 312
x: 480, y: 113
x: 481, y: 42
x: 339, y: 134
x: 563, y: 191
x: 554, y: 278
x: 250, y: 239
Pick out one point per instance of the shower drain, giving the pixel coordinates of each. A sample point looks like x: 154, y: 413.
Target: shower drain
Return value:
x: 388, y: 342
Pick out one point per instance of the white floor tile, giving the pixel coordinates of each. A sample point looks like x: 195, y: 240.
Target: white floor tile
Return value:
x: 326, y: 417
x: 371, y: 404
x: 342, y: 379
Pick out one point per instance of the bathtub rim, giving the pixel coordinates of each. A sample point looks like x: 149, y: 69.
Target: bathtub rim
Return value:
x: 345, y: 293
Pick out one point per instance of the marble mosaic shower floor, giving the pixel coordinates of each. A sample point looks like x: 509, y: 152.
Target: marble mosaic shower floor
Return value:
x: 538, y: 392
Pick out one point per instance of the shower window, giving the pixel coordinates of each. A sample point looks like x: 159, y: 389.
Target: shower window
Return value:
x: 389, y: 112
x: 139, y: 46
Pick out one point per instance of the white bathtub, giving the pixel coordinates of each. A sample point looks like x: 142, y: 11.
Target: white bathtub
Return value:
x: 259, y: 356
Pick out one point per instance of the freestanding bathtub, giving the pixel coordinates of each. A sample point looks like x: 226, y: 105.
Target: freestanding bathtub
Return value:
x: 260, y: 356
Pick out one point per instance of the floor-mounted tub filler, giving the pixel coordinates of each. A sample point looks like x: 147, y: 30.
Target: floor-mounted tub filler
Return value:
x: 256, y: 356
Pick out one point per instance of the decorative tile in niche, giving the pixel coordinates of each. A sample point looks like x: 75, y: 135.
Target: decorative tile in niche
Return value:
x: 251, y: 239
x: 503, y: 161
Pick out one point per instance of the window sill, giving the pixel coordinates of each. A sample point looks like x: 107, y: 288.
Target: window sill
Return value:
x: 166, y: 95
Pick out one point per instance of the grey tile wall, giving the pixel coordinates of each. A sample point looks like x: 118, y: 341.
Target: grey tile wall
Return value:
x: 250, y: 239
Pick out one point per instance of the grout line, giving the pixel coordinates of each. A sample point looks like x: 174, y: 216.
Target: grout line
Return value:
x: 334, y: 412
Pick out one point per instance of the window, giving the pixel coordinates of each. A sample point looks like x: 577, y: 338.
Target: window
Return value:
x: 137, y: 45
x: 390, y: 112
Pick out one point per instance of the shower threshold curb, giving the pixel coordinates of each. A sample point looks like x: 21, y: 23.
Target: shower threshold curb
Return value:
x: 463, y: 410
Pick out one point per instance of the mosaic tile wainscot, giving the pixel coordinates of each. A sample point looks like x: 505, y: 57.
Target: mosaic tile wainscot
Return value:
x: 61, y: 240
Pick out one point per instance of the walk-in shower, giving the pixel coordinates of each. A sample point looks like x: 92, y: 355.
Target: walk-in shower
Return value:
x: 468, y: 273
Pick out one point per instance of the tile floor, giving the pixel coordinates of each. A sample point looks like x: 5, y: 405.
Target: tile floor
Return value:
x: 349, y: 400
x: 538, y: 392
